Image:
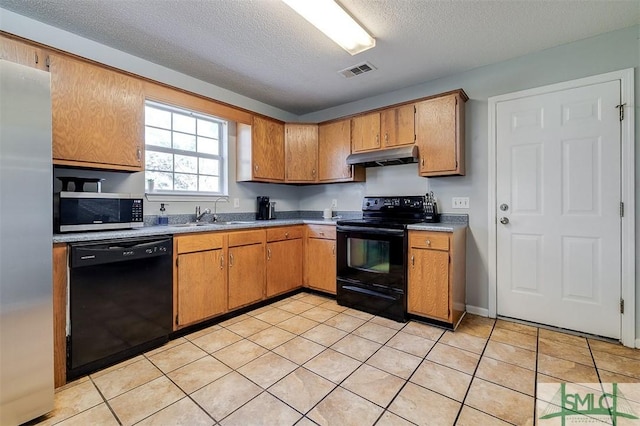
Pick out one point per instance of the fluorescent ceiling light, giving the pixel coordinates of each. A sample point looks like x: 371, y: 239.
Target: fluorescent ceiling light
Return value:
x: 331, y: 19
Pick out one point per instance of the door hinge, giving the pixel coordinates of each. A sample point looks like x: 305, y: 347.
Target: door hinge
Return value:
x: 621, y: 209
x: 622, y: 306
x: 621, y: 110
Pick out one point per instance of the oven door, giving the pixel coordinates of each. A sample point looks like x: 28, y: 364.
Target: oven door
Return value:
x: 371, y: 270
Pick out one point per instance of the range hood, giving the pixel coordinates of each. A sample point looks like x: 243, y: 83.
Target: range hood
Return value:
x: 385, y: 157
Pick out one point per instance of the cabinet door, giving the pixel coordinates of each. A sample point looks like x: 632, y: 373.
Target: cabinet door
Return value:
x: 284, y: 266
x: 97, y: 116
x: 301, y: 152
x: 320, y: 264
x: 439, y: 136
x: 201, y: 286
x: 334, y: 146
x: 22, y: 53
x: 397, y: 126
x: 268, y: 149
x: 59, y: 314
x: 365, y: 132
x: 428, y: 289
x: 246, y: 275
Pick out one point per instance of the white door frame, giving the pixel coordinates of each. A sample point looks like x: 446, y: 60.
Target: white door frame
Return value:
x: 628, y: 290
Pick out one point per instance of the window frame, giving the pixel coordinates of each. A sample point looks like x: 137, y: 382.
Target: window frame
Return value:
x: 222, y: 157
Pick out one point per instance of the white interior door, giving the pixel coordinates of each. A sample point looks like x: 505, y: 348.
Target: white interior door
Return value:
x: 558, y: 193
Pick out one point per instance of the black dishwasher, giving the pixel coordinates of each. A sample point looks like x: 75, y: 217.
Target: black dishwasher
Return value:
x: 120, y: 300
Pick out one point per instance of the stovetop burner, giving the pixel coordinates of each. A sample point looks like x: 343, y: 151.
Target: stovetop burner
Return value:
x: 389, y: 212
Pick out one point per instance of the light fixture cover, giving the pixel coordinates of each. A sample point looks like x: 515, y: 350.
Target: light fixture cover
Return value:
x: 335, y: 22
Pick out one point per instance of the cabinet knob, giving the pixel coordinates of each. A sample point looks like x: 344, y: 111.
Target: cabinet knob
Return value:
x: 286, y: 235
x: 428, y: 242
x: 313, y: 172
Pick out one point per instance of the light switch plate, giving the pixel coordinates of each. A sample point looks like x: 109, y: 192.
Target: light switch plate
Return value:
x: 460, y: 202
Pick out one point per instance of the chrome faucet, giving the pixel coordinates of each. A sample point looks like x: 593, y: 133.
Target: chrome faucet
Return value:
x: 200, y: 215
x: 215, y: 208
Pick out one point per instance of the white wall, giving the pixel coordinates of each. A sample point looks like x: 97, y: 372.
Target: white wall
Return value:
x: 613, y: 51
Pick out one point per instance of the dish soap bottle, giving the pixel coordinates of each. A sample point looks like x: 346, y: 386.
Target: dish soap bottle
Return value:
x: 163, y: 219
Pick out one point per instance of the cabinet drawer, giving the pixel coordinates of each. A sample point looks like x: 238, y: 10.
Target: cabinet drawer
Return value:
x: 429, y: 240
x: 199, y: 242
x: 284, y: 233
x: 244, y: 238
x: 321, y: 231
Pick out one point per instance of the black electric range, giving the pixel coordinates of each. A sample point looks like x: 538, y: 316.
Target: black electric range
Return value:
x: 371, y: 255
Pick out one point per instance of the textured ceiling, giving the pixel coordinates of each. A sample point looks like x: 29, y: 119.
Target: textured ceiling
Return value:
x: 264, y: 50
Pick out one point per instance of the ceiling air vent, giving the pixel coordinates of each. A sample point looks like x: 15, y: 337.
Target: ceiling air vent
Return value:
x: 355, y: 70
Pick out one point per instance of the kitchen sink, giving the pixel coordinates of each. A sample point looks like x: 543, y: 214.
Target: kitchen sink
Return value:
x: 237, y: 222
x: 189, y: 224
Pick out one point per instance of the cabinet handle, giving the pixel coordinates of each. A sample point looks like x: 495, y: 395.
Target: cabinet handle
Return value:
x: 378, y: 139
x: 422, y: 162
x: 230, y: 260
x: 428, y: 242
x: 36, y: 57
x: 313, y: 172
x: 255, y: 167
x: 286, y: 235
x: 333, y: 250
x: 413, y: 260
x: 268, y: 253
x: 222, y: 261
x: 386, y: 137
x: 321, y: 233
x: 139, y: 153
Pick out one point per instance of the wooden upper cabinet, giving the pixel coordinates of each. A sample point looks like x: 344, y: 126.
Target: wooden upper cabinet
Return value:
x: 260, y: 151
x: 397, y: 126
x: 334, y: 146
x: 23, y: 53
x: 365, y: 132
x: 440, y: 135
x: 301, y: 153
x: 97, y: 114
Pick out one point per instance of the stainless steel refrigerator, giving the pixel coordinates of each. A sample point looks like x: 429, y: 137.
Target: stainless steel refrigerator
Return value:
x: 26, y: 296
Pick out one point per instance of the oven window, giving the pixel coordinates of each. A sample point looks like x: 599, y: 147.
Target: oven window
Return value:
x: 368, y: 255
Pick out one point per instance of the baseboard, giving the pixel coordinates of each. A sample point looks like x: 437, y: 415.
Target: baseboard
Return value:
x: 475, y: 310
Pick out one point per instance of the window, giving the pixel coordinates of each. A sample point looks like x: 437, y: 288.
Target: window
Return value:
x: 185, y: 151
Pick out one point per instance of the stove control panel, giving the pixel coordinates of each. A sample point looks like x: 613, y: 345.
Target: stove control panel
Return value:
x: 407, y: 203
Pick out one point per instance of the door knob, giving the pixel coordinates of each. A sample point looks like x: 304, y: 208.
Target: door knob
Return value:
x: 504, y: 220
x: 504, y: 207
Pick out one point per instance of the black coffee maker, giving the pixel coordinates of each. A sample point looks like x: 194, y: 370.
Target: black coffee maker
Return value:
x: 263, y: 208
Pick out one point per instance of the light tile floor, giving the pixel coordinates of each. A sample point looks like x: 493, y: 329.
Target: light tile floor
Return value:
x: 305, y: 360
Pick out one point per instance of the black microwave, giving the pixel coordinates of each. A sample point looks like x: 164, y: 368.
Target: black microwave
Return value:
x: 96, y: 211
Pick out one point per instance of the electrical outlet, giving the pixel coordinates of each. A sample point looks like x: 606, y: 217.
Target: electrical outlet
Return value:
x: 236, y: 203
x: 460, y: 202
x: 334, y: 204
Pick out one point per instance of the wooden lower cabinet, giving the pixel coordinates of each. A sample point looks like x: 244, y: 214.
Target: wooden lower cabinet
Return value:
x: 201, y: 277
x: 284, y: 259
x: 246, y: 268
x: 436, y: 287
x: 59, y: 314
x: 320, y: 258
x: 201, y: 286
